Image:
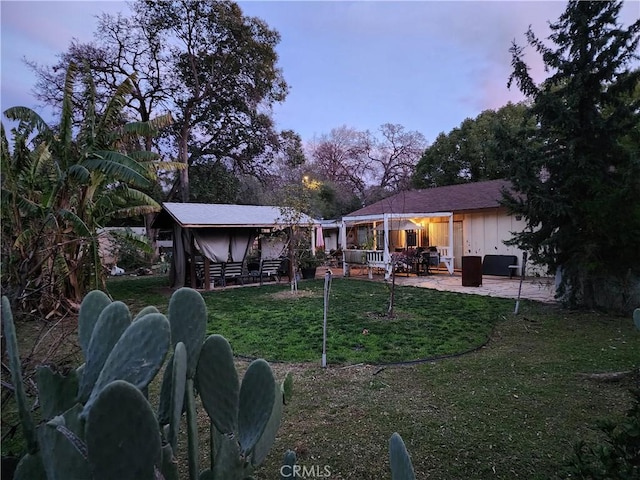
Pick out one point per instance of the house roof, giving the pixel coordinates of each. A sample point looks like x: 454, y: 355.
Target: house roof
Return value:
x: 203, y: 215
x: 451, y: 198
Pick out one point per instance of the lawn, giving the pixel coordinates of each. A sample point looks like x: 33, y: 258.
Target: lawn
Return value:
x: 512, y: 408
x: 273, y: 323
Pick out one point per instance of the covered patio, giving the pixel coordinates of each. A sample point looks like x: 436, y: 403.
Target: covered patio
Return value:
x: 211, y: 242
x: 380, y: 240
x: 451, y: 223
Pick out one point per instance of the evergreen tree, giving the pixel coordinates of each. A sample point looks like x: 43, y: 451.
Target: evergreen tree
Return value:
x: 578, y: 182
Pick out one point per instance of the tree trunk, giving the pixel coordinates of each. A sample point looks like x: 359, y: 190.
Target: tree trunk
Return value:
x: 184, y: 158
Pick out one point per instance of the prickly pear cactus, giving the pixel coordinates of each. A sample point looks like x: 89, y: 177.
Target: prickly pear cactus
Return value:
x: 178, y: 383
x: 90, y: 308
x: 146, y: 311
x: 217, y: 383
x: 98, y: 423
x: 62, y: 446
x: 401, y: 466
x: 123, y: 437
x: 287, y: 472
x: 112, y: 322
x: 636, y: 318
x: 16, y: 377
x: 281, y: 396
x: 188, y: 319
x: 136, y: 357
x: 257, y: 395
x: 56, y: 393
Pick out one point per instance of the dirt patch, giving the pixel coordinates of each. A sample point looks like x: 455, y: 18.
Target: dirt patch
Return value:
x: 384, y: 317
x: 289, y: 295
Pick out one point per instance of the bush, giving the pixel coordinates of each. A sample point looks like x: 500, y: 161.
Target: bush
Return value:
x: 129, y: 250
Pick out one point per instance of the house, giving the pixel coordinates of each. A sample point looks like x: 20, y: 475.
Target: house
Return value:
x: 456, y: 220
x: 222, y: 234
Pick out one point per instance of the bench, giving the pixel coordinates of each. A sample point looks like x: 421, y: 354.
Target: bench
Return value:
x: 270, y: 268
x: 235, y: 271
x: 501, y: 265
x: 216, y: 274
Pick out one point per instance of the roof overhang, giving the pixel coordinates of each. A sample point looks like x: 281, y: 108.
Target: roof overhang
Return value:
x: 393, y: 216
x: 199, y: 216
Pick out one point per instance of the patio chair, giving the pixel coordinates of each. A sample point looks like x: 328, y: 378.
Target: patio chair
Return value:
x: 235, y: 271
x: 270, y: 268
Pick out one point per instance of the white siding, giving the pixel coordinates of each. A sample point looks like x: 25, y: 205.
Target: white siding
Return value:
x: 484, y: 233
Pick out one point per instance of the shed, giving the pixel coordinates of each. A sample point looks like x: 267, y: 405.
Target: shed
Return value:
x: 219, y: 232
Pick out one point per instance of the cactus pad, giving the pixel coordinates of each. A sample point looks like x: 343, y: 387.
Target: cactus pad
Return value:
x: 146, y: 311
x: 188, y: 319
x: 288, y: 462
x: 256, y: 404
x: 30, y: 467
x: 90, y: 308
x: 267, y: 438
x: 217, y: 383
x: 136, y: 357
x: 56, y: 393
x: 16, y: 376
x: 113, y: 321
x: 63, y: 451
x: 178, y: 385
x: 123, y: 439
x: 401, y: 466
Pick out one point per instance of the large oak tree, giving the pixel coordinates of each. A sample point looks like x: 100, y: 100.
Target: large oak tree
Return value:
x: 212, y: 67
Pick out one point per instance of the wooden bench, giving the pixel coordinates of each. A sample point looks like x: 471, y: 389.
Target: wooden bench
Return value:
x: 216, y: 274
x: 270, y: 268
x: 235, y: 271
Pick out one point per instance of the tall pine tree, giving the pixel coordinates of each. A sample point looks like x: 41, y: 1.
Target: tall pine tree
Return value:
x: 578, y: 184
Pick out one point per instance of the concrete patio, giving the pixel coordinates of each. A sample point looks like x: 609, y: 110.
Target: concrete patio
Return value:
x: 541, y: 289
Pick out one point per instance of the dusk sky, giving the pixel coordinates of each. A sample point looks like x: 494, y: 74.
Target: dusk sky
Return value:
x: 425, y: 65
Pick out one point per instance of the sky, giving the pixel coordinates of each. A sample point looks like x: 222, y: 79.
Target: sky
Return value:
x: 426, y: 65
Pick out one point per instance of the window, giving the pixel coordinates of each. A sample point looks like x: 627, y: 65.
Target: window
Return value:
x: 412, y: 239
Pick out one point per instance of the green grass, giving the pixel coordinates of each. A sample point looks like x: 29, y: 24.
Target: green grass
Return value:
x: 512, y: 409
x: 273, y: 323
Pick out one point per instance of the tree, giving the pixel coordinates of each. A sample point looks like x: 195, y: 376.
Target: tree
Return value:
x: 212, y: 67
x: 578, y: 185
x: 341, y: 157
x: 223, y: 77
x: 212, y: 183
x: 59, y: 186
x: 479, y: 149
x: 371, y: 167
x: 393, y: 158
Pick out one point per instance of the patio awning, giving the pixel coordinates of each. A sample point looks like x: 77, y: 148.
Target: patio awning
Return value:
x: 399, y: 224
x: 210, y: 215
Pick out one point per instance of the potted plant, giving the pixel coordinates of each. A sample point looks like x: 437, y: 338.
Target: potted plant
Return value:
x: 309, y: 263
